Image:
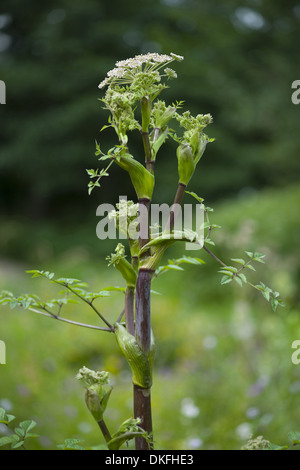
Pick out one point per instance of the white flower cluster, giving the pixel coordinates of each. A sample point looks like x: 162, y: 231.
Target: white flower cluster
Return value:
x: 125, y: 70
x: 91, y: 377
x: 126, y: 216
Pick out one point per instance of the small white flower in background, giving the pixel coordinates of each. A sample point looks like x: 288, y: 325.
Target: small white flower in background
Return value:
x: 189, y: 409
x: 244, y: 431
x: 210, y: 342
x: 252, y: 412
x: 6, y: 404
x: 195, y: 443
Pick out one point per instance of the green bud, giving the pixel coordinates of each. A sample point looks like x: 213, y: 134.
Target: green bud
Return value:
x: 93, y: 403
x: 201, y: 149
x: 140, y: 363
x: 186, y: 164
x: 141, y: 178
x: 195, y: 141
x: 98, y: 391
x: 146, y: 107
x: 162, y: 136
x: 126, y: 269
x: 163, y: 120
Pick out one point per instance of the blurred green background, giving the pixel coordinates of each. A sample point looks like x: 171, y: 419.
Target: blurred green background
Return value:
x: 223, y: 366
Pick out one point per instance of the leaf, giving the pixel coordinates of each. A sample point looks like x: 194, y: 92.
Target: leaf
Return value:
x: 238, y: 281
x: 272, y: 446
x: 163, y: 269
x: 209, y: 241
x: 4, y: 418
x: 226, y: 279
x: 238, y: 260
x: 274, y: 304
x: 243, y: 277
x: 27, y: 425
x: 232, y: 269
x: 10, y: 418
x: 249, y: 266
x: 115, y: 288
x: 71, y: 444
x: 169, y: 238
x: 195, y: 196
x: 294, y: 437
x: 259, y: 257
x: 4, y: 441
x: 16, y: 441
x: 188, y: 260
x: 117, y: 442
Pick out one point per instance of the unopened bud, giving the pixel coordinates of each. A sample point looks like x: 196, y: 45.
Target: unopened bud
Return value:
x: 141, y: 178
x: 93, y: 403
x: 146, y: 106
x: 186, y: 165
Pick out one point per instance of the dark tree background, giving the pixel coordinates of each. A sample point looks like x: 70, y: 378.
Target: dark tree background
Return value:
x: 241, y: 58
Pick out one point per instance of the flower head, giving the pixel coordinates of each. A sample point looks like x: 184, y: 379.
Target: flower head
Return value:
x: 126, y: 70
x: 90, y: 377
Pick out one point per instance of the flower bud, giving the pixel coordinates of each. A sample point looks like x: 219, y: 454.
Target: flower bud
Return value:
x: 141, y: 178
x: 146, y: 107
x: 186, y: 165
x: 163, y: 120
x: 139, y: 362
x: 93, y: 403
x: 126, y: 269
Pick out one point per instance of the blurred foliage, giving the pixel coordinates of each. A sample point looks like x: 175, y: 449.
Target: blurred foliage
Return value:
x: 240, y: 60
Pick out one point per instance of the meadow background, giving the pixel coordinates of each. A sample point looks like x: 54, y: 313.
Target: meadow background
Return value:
x: 223, y: 367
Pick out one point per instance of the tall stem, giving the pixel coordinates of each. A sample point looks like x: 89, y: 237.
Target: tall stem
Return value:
x: 142, y: 397
x: 142, y: 409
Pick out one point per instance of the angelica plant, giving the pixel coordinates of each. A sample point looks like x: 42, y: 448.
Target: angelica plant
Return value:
x: 132, y: 97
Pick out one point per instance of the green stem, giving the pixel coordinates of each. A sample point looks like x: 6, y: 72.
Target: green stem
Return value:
x: 84, y: 325
x: 104, y: 430
x: 214, y: 256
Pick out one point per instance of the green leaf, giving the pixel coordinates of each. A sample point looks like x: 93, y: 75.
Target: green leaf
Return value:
x: 16, y: 441
x: 231, y: 268
x: 209, y: 241
x: 249, y: 266
x: 238, y: 260
x: 226, y: 279
x: 243, y: 277
x: 188, y: 260
x: 238, y: 281
x: 115, y: 288
x: 4, y: 441
x: 117, y: 442
x: 168, y: 239
x: 272, y: 446
x: 259, y: 257
x: 274, y: 304
x: 294, y: 437
x: 5, y: 418
x: 163, y: 269
x: 27, y: 425
x: 195, y: 196
x: 71, y: 444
